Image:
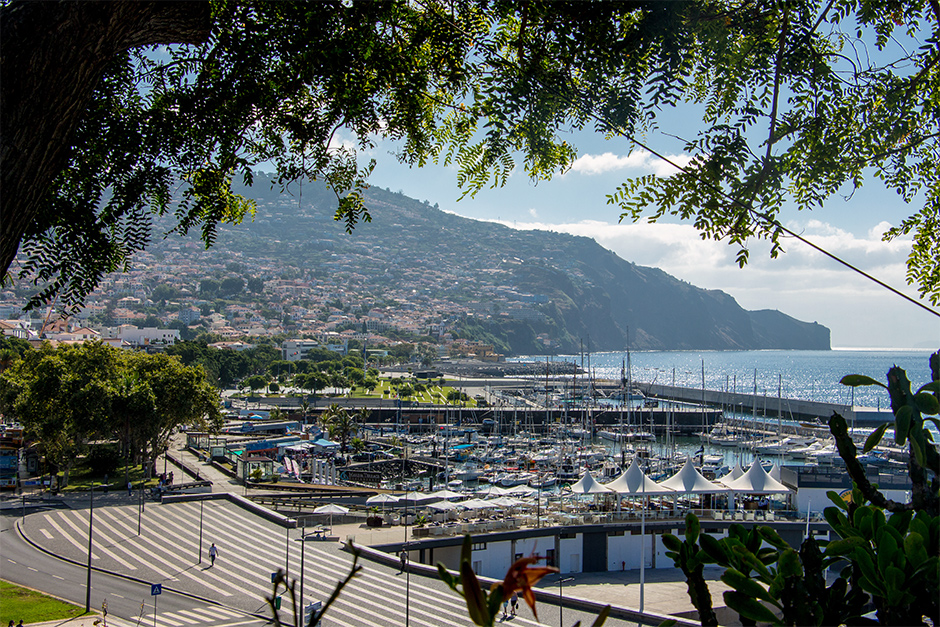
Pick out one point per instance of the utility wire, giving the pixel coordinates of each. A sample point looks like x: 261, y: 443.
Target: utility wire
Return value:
x: 757, y: 216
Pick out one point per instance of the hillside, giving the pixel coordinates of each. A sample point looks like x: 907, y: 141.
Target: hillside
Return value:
x: 525, y: 291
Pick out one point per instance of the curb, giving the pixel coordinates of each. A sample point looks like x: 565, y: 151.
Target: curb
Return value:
x: 236, y: 499
x: 190, y: 595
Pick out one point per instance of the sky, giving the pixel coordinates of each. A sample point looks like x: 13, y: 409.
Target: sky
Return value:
x: 801, y: 282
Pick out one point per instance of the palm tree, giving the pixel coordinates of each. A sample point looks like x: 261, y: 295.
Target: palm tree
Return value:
x: 340, y: 423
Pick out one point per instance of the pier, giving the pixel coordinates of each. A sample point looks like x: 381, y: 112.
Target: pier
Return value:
x: 766, y: 405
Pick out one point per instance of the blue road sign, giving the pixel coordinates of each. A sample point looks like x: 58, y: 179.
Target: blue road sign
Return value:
x: 155, y: 589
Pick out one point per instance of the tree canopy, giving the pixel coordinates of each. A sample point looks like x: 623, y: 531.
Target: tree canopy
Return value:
x: 104, y: 125
x: 69, y: 396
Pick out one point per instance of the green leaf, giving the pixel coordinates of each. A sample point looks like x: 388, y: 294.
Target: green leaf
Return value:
x: 447, y: 578
x: 466, y: 551
x: 789, y: 564
x: 772, y: 538
x: 692, y: 528
x: 837, y: 500
x: 857, y: 380
x: 601, y: 617
x: 476, y: 600
x: 745, y: 585
x: 750, y: 607
x: 671, y: 542
x: 901, y: 520
x: 843, y: 547
x: 713, y: 548
x: 918, y: 447
x: 914, y: 549
x: 927, y: 403
x: 875, y: 437
x: 902, y: 422
x: 933, y: 386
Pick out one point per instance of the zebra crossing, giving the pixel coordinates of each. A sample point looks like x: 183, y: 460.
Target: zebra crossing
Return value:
x: 167, y: 551
x: 251, y: 549
x: 206, y: 616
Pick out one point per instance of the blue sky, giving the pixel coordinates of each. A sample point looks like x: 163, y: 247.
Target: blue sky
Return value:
x: 802, y: 282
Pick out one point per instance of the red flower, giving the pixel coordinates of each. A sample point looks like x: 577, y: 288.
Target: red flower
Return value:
x: 521, y: 576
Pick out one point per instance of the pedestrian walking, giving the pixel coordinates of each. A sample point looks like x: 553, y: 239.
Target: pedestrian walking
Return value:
x: 213, y: 553
x: 514, y: 602
x: 505, y: 608
x: 404, y: 560
x: 130, y: 489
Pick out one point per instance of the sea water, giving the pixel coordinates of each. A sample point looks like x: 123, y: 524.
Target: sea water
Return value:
x: 803, y: 375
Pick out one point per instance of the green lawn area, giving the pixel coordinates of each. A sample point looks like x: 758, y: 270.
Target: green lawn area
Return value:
x: 81, y: 478
x: 18, y: 603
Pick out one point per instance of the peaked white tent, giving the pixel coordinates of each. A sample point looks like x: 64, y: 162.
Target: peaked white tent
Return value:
x: 587, y: 484
x: 492, y: 490
x: 690, y: 481
x: 736, y: 472
x: 634, y: 482
x: 757, y: 481
x: 446, y: 494
x: 774, y: 472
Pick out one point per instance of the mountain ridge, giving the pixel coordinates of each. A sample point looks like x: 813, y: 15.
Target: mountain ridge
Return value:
x: 528, y: 291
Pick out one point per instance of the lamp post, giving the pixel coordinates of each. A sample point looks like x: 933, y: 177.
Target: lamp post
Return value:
x: 201, y: 503
x: 561, y: 599
x: 91, y: 518
x: 303, y: 554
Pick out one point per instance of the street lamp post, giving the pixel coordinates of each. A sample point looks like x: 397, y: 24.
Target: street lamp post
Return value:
x: 561, y: 600
x: 201, y: 503
x: 91, y: 518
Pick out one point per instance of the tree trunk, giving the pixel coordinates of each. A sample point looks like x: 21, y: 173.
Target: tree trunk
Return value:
x: 52, y: 56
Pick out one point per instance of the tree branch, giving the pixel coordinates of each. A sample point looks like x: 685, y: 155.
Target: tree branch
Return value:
x: 840, y: 433
x: 52, y: 58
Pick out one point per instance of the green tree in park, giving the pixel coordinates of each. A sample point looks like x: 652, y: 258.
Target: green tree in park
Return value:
x: 69, y: 396
x: 256, y: 382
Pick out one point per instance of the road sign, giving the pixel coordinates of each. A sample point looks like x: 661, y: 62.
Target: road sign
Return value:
x: 155, y: 589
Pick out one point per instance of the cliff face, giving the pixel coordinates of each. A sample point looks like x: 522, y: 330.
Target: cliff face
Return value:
x: 525, y: 291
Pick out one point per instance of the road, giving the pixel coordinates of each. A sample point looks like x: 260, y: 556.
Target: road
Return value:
x: 251, y: 548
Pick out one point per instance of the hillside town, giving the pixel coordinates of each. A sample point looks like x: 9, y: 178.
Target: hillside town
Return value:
x: 180, y: 291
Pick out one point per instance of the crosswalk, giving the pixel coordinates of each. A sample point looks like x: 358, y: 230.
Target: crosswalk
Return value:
x: 167, y: 551
x: 207, y: 616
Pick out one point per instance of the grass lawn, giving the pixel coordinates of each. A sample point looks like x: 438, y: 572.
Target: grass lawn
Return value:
x: 18, y: 603
x: 81, y: 478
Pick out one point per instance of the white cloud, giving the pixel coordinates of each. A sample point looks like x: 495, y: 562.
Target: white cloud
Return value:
x: 639, y: 160
x: 801, y: 282
x: 533, y: 212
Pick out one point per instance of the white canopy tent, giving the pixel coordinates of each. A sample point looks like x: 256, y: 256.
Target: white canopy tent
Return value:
x: 587, y: 484
x: 757, y: 481
x: 492, y: 490
x: 443, y: 506
x: 447, y: 494
x: 736, y: 472
x: 690, y: 481
x: 522, y: 490
x: 634, y: 482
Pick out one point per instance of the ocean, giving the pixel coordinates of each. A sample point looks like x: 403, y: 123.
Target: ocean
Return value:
x: 805, y: 375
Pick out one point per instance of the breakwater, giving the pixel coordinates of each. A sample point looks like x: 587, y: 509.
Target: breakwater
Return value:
x: 767, y: 405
